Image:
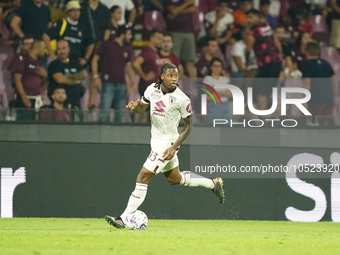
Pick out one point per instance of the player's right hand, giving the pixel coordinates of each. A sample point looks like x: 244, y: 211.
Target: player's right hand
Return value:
x: 133, y: 104
x: 26, y: 102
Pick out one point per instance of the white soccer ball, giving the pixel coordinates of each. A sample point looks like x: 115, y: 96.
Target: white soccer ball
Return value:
x: 136, y: 220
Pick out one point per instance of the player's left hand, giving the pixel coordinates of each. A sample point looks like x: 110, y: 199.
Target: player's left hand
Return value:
x: 169, y: 153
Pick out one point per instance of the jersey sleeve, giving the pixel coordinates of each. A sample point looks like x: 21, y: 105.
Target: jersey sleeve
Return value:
x: 185, y: 108
x: 147, y: 95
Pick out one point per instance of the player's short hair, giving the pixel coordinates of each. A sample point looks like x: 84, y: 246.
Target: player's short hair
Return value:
x: 58, y: 87
x: 164, y: 68
x: 155, y: 31
x: 210, y: 39
x: 313, y: 49
x: 253, y: 11
x: 245, y: 1
x: 212, y: 61
x: 264, y: 2
x: 169, y: 35
x: 37, y: 43
x: 122, y: 30
x: 219, y: 2
x: 114, y: 8
x: 26, y: 37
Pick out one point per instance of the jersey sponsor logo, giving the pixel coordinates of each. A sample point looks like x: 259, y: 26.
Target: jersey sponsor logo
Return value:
x: 172, y: 100
x: 135, y: 196
x: 159, y: 114
x: 31, y: 66
x: 155, y: 95
x: 188, y: 108
x: 159, y: 106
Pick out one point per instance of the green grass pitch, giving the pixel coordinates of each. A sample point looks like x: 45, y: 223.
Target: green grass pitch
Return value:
x: 95, y: 236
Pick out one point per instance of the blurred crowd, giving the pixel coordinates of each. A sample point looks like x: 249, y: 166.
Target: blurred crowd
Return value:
x: 90, y: 54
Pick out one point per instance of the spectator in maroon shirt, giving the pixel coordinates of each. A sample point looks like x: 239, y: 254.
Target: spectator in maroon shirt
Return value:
x: 56, y: 112
x: 166, y: 56
x: 28, y: 75
x: 148, y: 65
x: 114, y: 57
x: 299, y: 51
x: 116, y: 15
x: 26, y: 45
x: 203, y: 63
x: 268, y: 57
x: 180, y: 25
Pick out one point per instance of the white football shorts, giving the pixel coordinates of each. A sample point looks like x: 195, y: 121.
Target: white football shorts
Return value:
x: 154, y: 162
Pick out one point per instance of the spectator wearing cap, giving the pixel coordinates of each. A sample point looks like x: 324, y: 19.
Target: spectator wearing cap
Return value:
x: 166, y: 56
x: 28, y: 78
x: 116, y: 14
x: 114, y: 57
x: 320, y: 80
x: 179, y: 22
x: 240, y: 18
x: 96, y: 17
x: 68, y: 73
x: 32, y: 18
x: 75, y: 33
x: 268, y: 57
x: 56, y: 112
x: 125, y: 5
x: 219, y: 23
x: 265, y: 16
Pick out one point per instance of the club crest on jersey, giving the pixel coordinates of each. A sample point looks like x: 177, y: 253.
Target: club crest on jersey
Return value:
x: 172, y: 100
x: 155, y: 95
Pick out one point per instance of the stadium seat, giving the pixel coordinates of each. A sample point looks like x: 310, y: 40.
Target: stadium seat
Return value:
x: 319, y: 23
x: 284, y: 6
x: 321, y: 31
x: 154, y: 20
x: 331, y: 55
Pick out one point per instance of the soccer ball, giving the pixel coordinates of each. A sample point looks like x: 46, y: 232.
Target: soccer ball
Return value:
x: 136, y: 220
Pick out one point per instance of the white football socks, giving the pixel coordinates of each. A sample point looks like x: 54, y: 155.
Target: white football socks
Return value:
x: 190, y: 179
x: 136, y: 199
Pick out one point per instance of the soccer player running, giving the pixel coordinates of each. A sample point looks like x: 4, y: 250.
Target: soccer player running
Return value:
x: 167, y: 105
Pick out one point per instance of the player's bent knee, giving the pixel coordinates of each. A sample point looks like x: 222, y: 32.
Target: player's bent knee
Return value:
x: 144, y: 176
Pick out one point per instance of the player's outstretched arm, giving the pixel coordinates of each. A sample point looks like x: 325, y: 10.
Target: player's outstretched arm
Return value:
x: 137, y: 106
x: 170, y: 152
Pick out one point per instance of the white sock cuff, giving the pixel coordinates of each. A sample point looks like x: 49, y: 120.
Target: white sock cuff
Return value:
x: 141, y: 186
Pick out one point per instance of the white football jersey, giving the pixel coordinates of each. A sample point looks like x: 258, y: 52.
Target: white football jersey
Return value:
x: 166, y: 111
